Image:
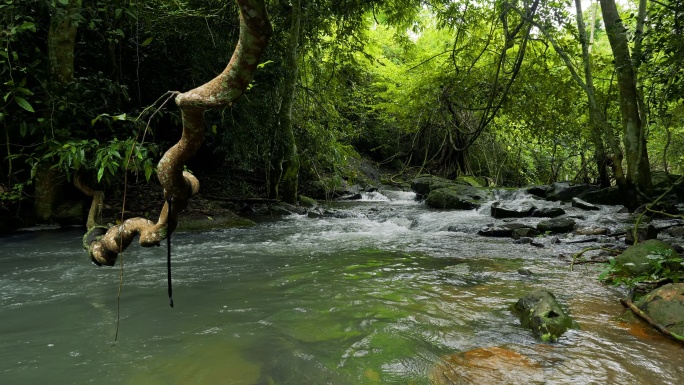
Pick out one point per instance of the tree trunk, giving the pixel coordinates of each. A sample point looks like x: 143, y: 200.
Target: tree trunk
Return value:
x: 597, y: 121
x: 60, y: 45
x: 179, y: 186
x: 638, y: 166
x: 287, y: 169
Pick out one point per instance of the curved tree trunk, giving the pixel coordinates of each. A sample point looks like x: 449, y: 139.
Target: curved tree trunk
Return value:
x: 179, y: 186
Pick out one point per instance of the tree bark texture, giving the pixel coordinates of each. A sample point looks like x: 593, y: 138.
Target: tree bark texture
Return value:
x: 61, y: 40
x: 285, y: 167
x: 638, y: 166
x: 60, y: 46
x: 179, y: 186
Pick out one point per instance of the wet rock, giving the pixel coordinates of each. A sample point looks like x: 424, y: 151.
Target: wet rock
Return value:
x: 523, y: 241
x: 547, y: 212
x: 498, y: 211
x: 456, y: 197
x: 352, y: 197
x: 605, y: 196
x: 580, y: 204
x: 539, y: 311
x: 70, y: 213
x: 423, y: 184
x: 315, y: 214
x: 307, y: 202
x: 524, y: 271
x: 676, y: 232
x: 283, y: 208
x: 539, y: 191
x: 470, y: 180
x: 642, y: 259
x: 502, y: 231
x: 490, y: 365
x: 591, y: 230
x: 659, y: 210
x: 524, y: 232
x: 556, y: 225
x: 665, y: 306
x: 644, y: 232
x: 564, y: 191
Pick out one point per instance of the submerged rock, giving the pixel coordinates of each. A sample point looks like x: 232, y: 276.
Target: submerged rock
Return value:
x: 539, y: 311
x: 643, y: 258
x: 665, y: 305
x: 490, y: 365
x: 556, y: 225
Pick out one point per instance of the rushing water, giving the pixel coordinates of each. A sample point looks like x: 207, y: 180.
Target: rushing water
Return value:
x: 377, y: 297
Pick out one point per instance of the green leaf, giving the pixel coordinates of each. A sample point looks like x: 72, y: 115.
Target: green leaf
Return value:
x: 147, y: 41
x: 262, y: 65
x: 64, y: 2
x: 100, y: 172
x: 23, y: 103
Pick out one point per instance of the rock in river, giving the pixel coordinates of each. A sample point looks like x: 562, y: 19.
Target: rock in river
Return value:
x: 665, y: 305
x: 556, y: 225
x: 539, y: 311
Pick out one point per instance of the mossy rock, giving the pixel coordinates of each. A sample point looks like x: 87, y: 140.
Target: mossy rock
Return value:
x: 471, y: 180
x: 539, y: 311
x: 422, y: 185
x: 640, y: 259
x: 456, y: 197
x: 666, y: 306
x: 307, y: 202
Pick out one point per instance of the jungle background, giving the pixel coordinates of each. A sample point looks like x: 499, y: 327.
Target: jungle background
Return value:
x: 517, y: 92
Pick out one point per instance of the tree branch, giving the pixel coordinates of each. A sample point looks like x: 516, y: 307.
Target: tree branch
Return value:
x: 179, y: 185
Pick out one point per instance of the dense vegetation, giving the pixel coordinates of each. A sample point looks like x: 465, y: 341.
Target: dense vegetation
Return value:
x: 519, y: 92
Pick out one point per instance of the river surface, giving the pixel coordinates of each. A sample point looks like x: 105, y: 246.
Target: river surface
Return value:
x: 379, y: 296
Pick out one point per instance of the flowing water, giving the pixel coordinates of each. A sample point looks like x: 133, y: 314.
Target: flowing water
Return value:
x: 378, y: 295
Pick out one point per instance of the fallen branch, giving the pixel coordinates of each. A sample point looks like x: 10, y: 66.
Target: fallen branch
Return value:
x: 631, y: 306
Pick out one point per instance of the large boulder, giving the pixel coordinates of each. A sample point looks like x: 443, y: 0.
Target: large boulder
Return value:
x: 565, y: 191
x: 539, y: 191
x: 665, y: 306
x: 499, y: 211
x: 556, y: 225
x: 643, y: 258
x: 539, y: 311
x: 605, y: 196
x: 424, y: 184
x: 456, y: 197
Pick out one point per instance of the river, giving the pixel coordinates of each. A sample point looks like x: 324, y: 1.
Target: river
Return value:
x: 377, y: 295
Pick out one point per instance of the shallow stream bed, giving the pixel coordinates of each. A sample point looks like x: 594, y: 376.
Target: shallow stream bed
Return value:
x: 380, y: 296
